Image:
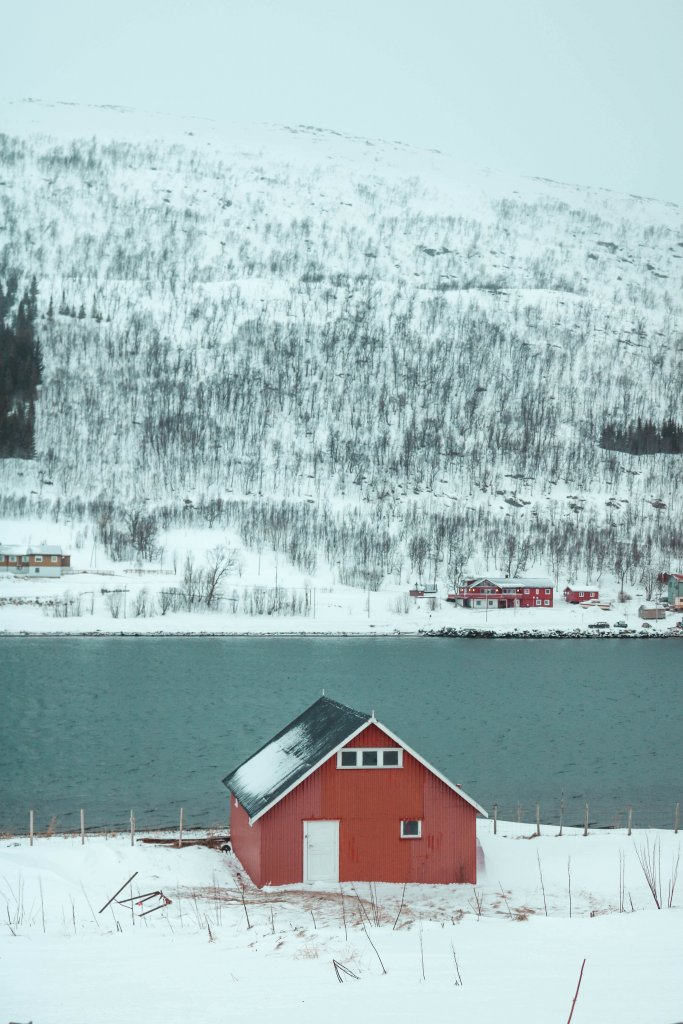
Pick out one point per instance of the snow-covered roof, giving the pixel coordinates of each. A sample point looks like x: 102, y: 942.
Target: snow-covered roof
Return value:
x: 300, y: 749
x: 43, y: 549
x: 270, y: 773
x: 499, y: 581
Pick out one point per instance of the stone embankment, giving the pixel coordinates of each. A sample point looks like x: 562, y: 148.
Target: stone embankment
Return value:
x: 553, y: 634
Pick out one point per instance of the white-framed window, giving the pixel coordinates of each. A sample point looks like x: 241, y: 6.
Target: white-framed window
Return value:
x: 24, y: 558
x: 411, y: 828
x: 547, y: 590
x: 538, y: 601
x: 12, y: 558
x: 546, y: 602
x: 370, y: 757
x: 38, y: 558
x: 53, y: 559
x: 526, y: 590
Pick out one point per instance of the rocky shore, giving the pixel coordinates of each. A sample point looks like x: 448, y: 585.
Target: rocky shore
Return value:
x: 552, y: 634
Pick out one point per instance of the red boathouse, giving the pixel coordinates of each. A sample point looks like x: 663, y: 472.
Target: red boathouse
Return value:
x: 337, y: 797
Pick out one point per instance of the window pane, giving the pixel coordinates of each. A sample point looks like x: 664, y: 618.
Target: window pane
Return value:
x: 349, y: 758
x: 390, y: 757
x: 369, y: 758
x: 410, y: 828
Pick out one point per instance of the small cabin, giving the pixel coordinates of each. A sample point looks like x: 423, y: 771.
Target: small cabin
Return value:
x: 651, y: 611
x: 579, y: 595
x: 336, y: 796
x: 423, y: 590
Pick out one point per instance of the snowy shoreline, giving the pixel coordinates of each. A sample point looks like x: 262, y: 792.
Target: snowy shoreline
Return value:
x: 446, y: 633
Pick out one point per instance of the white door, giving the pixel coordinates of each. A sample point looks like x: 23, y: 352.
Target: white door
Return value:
x: 321, y: 851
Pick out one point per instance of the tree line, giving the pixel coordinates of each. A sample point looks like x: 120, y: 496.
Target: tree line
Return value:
x: 643, y: 437
x: 20, y: 367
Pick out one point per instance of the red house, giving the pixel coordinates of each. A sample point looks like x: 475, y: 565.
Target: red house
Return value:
x: 337, y: 797
x: 497, y: 592
x: 579, y: 595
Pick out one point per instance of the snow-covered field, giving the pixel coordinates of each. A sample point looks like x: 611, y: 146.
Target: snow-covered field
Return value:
x: 510, y: 948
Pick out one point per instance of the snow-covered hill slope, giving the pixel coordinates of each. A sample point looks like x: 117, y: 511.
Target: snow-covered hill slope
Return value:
x: 350, y: 351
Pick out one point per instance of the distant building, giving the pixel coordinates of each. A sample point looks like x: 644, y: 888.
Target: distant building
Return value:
x: 577, y: 595
x: 496, y: 592
x: 335, y: 797
x: 651, y: 611
x: 675, y: 590
x: 423, y: 590
x: 42, y: 560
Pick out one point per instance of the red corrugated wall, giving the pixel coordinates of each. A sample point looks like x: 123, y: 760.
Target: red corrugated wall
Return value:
x: 370, y: 805
x: 246, y: 841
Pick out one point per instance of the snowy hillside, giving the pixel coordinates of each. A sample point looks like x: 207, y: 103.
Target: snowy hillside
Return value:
x: 350, y: 352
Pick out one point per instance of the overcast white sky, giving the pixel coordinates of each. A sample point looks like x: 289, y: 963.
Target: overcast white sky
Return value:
x: 587, y: 91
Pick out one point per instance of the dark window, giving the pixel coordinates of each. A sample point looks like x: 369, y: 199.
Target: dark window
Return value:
x: 411, y: 829
x: 390, y: 757
x: 369, y: 758
x: 348, y: 758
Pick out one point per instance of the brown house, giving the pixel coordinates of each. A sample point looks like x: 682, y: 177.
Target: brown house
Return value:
x: 41, y: 560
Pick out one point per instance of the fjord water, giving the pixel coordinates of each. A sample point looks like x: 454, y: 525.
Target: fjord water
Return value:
x: 153, y: 724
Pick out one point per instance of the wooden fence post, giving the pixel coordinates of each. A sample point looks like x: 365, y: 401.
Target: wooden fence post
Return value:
x: 585, y: 821
x: 132, y: 829
x: 495, y: 819
x: 538, y: 819
x: 630, y: 819
x: 180, y: 833
x: 82, y: 826
x: 30, y: 828
x: 677, y: 816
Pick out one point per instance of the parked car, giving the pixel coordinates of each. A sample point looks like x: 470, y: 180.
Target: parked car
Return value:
x: 598, y: 625
x: 621, y: 624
